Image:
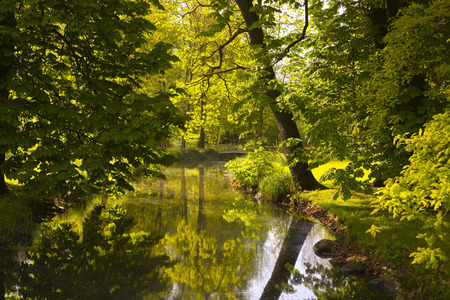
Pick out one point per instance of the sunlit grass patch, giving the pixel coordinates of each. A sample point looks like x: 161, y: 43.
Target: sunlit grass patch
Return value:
x: 396, y: 239
x: 337, y: 164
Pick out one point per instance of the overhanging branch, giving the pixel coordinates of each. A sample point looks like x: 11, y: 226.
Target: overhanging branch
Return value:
x: 302, y: 35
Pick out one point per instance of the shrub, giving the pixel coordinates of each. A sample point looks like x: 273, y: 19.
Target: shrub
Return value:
x: 250, y: 170
x: 423, y: 190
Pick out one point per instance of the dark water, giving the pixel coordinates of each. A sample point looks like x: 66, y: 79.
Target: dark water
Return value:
x: 188, y: 237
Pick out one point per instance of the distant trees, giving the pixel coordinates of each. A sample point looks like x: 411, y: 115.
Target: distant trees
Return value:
x: 86, y: 94
x: 71, y: 119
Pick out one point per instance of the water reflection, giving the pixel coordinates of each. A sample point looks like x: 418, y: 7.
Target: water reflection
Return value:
x: 213, y: 245
x: 206, y: 268
x: 104, y: 261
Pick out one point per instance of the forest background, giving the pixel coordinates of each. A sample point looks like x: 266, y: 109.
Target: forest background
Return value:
x: 93, y: 93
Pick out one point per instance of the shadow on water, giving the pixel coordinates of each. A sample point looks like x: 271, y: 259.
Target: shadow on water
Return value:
x: 188, y: 237
x: 293, y: 242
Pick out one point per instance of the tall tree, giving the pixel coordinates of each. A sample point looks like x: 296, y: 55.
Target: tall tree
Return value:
x: 287, y: 127
x: 72, y: 121
x: 356, y: 90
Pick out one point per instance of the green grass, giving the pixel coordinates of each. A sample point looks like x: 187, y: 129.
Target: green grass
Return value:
x: 320, y: 170
x: 396, y: 241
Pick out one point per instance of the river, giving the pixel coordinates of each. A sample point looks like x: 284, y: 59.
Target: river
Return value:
x: 187, y: 237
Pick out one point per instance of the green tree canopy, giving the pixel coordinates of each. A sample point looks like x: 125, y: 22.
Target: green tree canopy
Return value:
x: 71, y: 119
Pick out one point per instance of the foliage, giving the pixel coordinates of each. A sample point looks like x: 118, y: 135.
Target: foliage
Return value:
x: 277, y: 186
x: 394, y: 240
x: 251, y: 170
x: 66, y: 264
x: 199, y: 42
x: 423, y: 190
x: 367, y: 76
x: 72, y: 118
x: 207, y: 267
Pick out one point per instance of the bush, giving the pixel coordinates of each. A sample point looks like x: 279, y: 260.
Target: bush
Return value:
x: 262, y: 170
x: 422, y: 191
x: 250, y: 170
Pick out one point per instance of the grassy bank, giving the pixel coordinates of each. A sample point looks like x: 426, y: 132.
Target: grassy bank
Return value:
x: 393, y: 244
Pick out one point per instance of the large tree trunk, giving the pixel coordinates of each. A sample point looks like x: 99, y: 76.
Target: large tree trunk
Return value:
x: 287, y: 127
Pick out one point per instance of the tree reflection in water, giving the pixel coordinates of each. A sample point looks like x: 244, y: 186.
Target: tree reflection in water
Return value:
x: 206, y: 269
x: 331, y: 283
x: 104, y: 262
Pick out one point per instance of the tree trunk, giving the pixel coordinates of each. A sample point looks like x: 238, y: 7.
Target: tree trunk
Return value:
x: 201, y: 139
x: 287, y: 127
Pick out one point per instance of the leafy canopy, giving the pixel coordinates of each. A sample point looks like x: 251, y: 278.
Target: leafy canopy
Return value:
x: 73, y: 122
x: 423, y: 189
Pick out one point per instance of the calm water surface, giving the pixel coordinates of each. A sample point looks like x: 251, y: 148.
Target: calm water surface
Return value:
x: 188, y: 237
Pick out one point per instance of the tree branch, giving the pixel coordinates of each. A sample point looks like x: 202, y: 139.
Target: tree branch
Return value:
x: 224, y: 71
x: 221, y: 47
x: 302, y: 36
x: 74, y: 53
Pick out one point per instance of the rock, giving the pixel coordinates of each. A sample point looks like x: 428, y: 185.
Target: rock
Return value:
x: 352, y: 269
x: 324, y: 248
x: 336, y: 262
x: 385, y: 286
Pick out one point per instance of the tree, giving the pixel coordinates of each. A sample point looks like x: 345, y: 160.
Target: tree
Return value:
x: 422, y: 190
x: 209, y: 94
x: 418, y: 44
x: 287, y: 127
x: 72, y: 121
x: 358, y: 88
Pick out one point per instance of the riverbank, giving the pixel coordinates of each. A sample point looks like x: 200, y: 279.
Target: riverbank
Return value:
x: 385, y: 255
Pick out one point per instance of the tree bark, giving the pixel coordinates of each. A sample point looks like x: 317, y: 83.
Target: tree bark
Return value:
x: 201, y: 139
x: 287, y: 127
